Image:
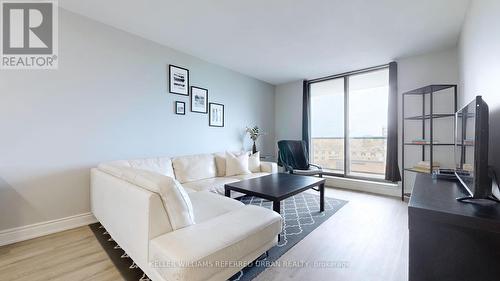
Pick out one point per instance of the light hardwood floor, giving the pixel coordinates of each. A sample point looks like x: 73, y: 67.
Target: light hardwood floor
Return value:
x: 369, y: 235
x: 66, y: 256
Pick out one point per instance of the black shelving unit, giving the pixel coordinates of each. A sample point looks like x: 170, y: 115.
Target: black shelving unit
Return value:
x: 425, y: 92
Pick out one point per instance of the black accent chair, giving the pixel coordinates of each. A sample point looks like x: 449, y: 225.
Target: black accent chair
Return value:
x: 293, y: 156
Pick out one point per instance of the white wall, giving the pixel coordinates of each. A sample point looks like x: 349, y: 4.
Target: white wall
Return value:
x: 479, y: 57
x: 288, y: 111
x: 413, y: 72
x: 108, y: 100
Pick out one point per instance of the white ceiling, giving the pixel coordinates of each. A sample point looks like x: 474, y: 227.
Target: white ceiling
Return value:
x: 286, y: 40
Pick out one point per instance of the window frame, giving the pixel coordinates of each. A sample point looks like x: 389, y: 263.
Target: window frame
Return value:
x: 345, y: 76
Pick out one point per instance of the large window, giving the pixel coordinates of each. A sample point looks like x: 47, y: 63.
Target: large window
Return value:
x: 349, y: 123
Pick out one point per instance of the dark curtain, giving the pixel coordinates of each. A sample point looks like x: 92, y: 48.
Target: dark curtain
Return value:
x: 392, y: 168
x: 306, y: 113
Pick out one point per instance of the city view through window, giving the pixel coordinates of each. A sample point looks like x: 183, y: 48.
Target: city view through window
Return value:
x: 367, y: 99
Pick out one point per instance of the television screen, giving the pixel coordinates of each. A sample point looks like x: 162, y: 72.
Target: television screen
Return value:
x: 464, y: 145
x: 471, y: 147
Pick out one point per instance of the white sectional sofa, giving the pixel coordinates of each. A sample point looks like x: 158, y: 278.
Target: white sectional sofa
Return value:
x: 225, y: 231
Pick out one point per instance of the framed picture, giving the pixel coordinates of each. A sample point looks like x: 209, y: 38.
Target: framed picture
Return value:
x: 216, y: 115
x: 199, y: 100
x: 180, y: 107
x: 179, y: 80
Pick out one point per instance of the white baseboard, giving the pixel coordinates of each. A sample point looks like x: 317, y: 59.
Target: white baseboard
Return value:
x: 365, y: 186
x: 22, y: 233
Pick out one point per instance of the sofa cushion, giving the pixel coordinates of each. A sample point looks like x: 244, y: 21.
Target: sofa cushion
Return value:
x: 161, y: 165
x: 175, y: 199
x: 254, y: 162
x: 228, y: 237
x: 249, y: 176
x: 189, y: 190
x: 236, y: 164
x: 208, y: 205
x: 211, y: 184
x: 194, y: 167
x: 220, y: 163
x: 268, y: 167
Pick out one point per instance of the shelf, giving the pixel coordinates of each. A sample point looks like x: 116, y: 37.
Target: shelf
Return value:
x: 468, y: 115
x: 429, y: 116
x: 429, y: 89
x: 416, y: 171
x: 437, y: 144
x: 427, y: 127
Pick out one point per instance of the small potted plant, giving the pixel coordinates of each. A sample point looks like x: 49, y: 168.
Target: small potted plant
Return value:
x: 254, y: 133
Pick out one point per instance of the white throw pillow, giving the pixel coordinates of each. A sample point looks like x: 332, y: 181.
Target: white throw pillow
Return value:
x: 175, y: 199
x: 236, y: 164
x: 220, y: 163
x: 254, y: 162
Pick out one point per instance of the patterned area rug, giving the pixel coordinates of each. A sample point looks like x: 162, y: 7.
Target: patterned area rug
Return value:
x: 301, y: 216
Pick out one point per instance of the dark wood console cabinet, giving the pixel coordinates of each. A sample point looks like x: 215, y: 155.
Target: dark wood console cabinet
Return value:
x: 450, y: 240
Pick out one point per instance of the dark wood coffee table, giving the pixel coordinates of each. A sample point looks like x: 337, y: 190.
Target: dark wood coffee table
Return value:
x: 278, y: 187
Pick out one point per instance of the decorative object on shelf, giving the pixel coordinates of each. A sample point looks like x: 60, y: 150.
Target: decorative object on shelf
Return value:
x: 423, y: 141
x: 426, y: 141
x: 179, y: 80
x: 215, y: 115
x: 254, y: 133
x: 467, y: 142
x: 199, y: 100
x: 446, y: 174
x: 425, y: 167
x: 180, y: 108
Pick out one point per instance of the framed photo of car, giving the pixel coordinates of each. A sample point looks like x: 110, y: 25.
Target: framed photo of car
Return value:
x: 178, y: 80
x: 199, y: 100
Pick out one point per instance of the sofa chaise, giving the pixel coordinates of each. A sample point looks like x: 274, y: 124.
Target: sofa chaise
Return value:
x: 226, y: 234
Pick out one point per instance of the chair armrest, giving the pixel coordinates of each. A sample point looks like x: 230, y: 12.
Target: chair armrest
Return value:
x: 317, y: 166
x: 268, y: 167
x: 287, y: 167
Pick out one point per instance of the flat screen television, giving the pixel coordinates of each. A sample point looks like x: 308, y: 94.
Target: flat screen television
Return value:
x: 471, y: 149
